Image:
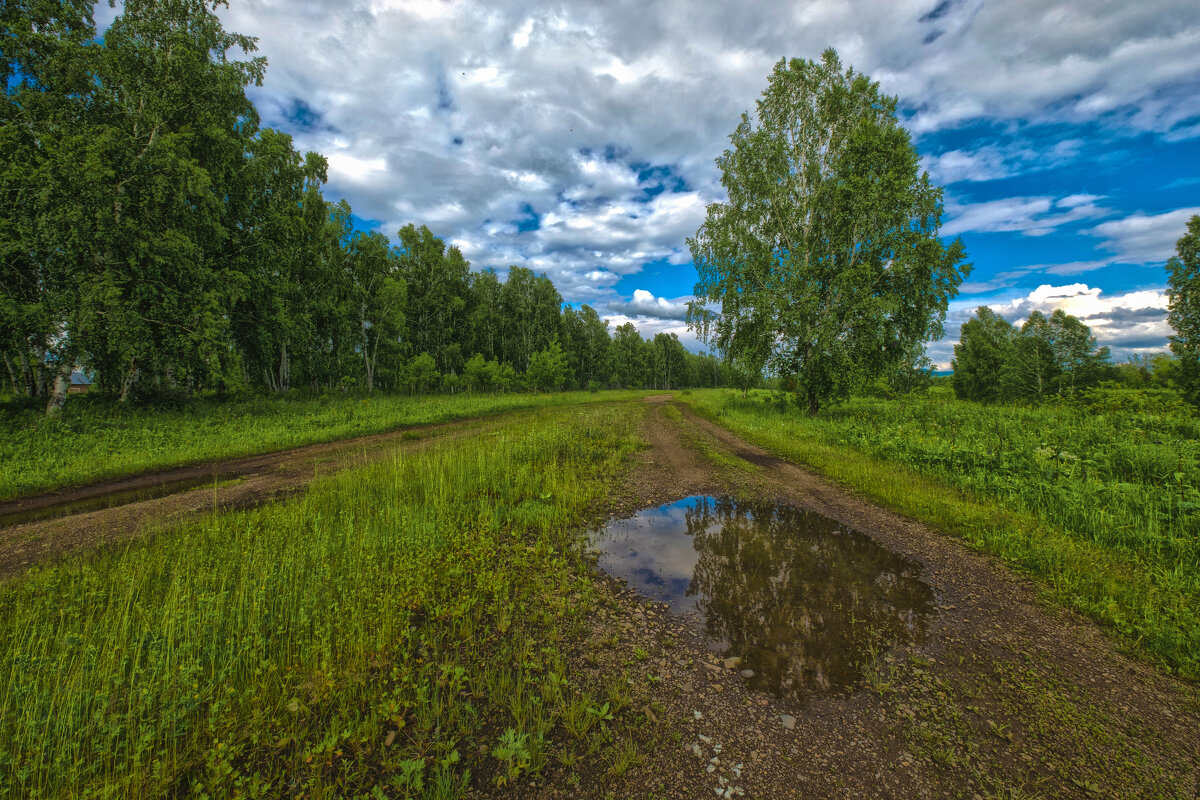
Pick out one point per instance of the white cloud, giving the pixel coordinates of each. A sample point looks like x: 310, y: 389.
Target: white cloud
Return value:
x: 1134, y: 322
x: 1031, y: 216
x: 645, y: 304
x: 993, y: 161
x: 462, y: 114
x: 1144, y: 238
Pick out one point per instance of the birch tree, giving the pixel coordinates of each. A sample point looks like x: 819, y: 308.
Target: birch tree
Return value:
x: 825, y: 261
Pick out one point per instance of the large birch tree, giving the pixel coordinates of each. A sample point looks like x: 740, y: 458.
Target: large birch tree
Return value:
x: 825, y: 261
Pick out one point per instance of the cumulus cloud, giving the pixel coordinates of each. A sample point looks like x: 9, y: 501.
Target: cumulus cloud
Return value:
x: 1031, y: 216
x: 1133, y: 322
x: 1144, y: 238
x: 645, y: 304
x: 465, y: 115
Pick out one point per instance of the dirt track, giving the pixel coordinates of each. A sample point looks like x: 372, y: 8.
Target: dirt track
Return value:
x: 1005, y: 697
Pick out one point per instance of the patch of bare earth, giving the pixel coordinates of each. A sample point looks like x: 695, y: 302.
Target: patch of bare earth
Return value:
x: 1005, y: 697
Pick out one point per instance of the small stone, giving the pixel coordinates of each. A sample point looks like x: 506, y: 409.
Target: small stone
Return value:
x: 747, y: 673
x: 789, y: 721
x: 697, y: 715
x: 732, y: 662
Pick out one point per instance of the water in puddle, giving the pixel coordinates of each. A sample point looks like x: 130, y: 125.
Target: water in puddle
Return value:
x: 799, y: 597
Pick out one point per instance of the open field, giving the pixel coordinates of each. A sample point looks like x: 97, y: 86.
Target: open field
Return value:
x: 1101, y: 505
x: 425, y: 623
x: 94, y: 439
x: 370, y: 633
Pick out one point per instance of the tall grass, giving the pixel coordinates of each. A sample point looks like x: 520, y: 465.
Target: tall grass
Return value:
x: 366, y: 639
x: 1101, y: 502
x: 95, y: 438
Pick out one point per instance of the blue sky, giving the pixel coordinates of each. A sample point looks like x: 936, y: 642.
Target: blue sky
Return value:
x: 578, y: 138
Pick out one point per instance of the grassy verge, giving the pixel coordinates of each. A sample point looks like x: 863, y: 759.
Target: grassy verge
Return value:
x: 1100, y: 507
x: 95, y: 439
x: 399, y: 631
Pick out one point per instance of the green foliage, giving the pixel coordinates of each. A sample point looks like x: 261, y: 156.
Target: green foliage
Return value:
x: 547, y: 369
x: 367, y: 639
x: 825, y: 260
x: 1045, y: 358
x: 1183, y: 283
x: 981, y: 353
x: 1098, y: 498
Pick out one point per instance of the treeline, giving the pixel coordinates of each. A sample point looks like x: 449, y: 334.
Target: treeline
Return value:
x: 1045, y: 357
x: 156, y: 235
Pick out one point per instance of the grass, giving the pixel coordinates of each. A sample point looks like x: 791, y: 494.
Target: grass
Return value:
x: 398, y: 631
x: 95, y: 439
x: 1101, y: 504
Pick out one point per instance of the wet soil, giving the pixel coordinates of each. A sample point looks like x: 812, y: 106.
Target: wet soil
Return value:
x: 1003, y: 696
x: 56, y: 525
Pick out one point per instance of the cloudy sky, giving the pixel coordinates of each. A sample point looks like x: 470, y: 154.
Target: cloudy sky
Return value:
x: 578, y: 138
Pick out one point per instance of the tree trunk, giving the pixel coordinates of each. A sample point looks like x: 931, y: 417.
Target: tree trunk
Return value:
x: 814, y: 404
x: 285, y: 370
x: 12, y: 375
x: 62, y: 380
x: 127, y: 382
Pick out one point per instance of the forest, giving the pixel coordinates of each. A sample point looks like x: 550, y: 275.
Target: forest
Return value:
x: 166, y: 245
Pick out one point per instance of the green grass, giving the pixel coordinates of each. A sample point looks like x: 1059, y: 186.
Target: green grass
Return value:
x: 398, y: 631
x: 1100, y: 503
x: 96, y: 439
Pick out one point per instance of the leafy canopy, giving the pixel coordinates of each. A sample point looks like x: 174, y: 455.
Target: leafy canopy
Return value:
x: 825, y: 260
x: 1183, y: 290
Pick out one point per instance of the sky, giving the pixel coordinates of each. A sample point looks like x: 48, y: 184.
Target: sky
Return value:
x: 579, y: 138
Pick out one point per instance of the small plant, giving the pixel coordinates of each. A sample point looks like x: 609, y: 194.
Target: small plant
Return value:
x: 512, y: 752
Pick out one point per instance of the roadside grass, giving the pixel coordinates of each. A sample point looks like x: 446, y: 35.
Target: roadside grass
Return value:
x: 401, y: 630
x: 1102, y: 505
x: 95, y: 438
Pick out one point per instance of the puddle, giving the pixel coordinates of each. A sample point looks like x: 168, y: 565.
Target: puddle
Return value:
x: 799, y: 597
x: 112, y: 500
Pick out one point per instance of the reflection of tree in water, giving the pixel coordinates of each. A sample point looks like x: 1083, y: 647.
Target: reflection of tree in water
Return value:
x: 798, y: 597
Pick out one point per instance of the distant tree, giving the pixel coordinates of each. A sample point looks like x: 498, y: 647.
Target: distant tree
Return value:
x: 982, y: 351
x: 547, y: 368
x: 421, y: 375
x: 1183, y: 291
x: 826, y: 260
x: 743, y: 374
x: 914, y: 374
x: 1052, y: 356
x: 628, y: 356
x: 670, y: 361
x: 1030, y: 369
x: 484, y: 319
x: 378, y: 297
x: 1080, y: 362
x: 436, y: 278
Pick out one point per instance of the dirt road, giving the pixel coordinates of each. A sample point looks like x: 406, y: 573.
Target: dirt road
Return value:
x: 1005, y: 696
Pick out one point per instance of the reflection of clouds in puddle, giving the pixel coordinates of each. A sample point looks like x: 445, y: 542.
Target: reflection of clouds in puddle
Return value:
x: 650, y: 553
x: 798, y: 596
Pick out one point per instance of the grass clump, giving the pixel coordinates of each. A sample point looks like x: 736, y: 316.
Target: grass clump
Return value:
x: 1102, y: 504
x: 400, y: 630
x: 96, y: 438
